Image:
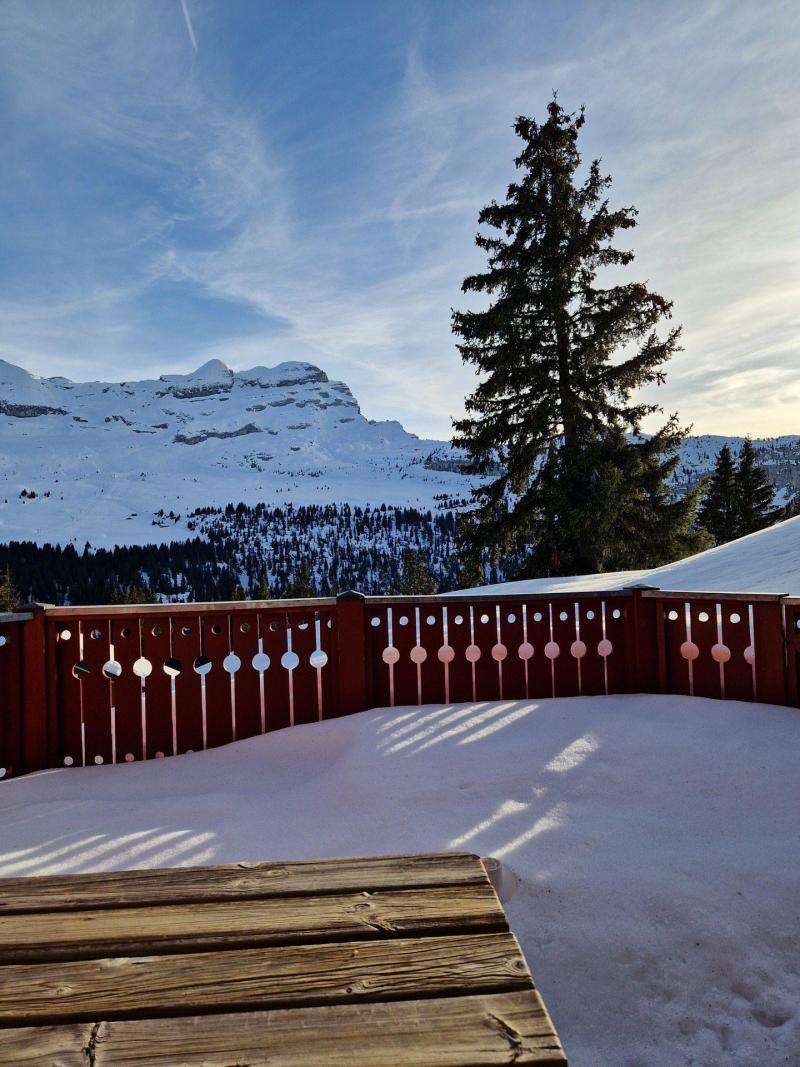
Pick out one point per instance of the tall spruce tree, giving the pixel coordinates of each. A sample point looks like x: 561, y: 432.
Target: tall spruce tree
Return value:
x: 754, y: 493
x: 560, y: 357
x: 719, y: 511
x: 415, y: 576
x: 9, y: 597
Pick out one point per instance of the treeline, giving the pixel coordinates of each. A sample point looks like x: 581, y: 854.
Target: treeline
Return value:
x: 244, y: 551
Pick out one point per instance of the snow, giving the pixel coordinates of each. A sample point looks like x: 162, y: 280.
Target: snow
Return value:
x: 655, y: 842
x: 763, y: 562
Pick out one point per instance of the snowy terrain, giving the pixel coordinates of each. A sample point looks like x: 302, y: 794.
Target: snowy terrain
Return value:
x: 99, y: 461
x: 763, y: 562
x: 655, y: 840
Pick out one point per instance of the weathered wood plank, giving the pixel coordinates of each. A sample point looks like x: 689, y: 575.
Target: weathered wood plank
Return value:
x: 295, y: 975
x: 239, y: 881
x: 475, y: 1031
x: 248, y: 923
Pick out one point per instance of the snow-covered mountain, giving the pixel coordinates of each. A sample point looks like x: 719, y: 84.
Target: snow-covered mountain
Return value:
x: 126, y: 462
x: 99, y: 461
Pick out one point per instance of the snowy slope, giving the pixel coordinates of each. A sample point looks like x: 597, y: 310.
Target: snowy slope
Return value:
x: 654, y: 838
x: 763, y: 562
x: 103, y: 457
x: 97, y: 460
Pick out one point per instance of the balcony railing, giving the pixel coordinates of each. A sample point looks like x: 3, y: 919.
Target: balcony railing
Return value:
x: 96, y: 685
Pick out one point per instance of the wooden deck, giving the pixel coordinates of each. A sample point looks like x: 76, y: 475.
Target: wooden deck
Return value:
x: 386, y: 962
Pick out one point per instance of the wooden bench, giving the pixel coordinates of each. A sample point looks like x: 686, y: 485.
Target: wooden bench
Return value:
x: 338, y: 963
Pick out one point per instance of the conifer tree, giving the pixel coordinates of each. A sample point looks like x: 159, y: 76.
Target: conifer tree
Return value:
x: 719, y: 512
x: 415, y: 576
x: 754, y: 493
x: 302, y: 585
x: 548, y: 425
x: 262, y: 591
x: 9, y: 597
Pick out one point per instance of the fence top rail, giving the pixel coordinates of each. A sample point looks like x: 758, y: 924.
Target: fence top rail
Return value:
x: 16, y: 616
x: 495, y: 598
x: 214, y: 607
x: 697, y: 594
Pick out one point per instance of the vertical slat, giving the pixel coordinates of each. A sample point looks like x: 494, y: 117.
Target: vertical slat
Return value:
x: 247, y: 690
x: 10, y: 700
x: 276, y: 678
x: 216, y: 644
x: 126, y: 690
x: 96, y: 691
x: 459, y: 639
x: 304, y: 677
x: 156, y: 649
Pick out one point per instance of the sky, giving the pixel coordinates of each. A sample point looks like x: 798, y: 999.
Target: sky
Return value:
x: 255, y: 182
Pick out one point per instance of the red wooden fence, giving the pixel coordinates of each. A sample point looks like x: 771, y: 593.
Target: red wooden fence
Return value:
x: 98, y: 685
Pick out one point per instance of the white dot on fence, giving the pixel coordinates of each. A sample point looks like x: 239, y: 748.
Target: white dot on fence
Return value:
x: 577, y: 649
x: 375, y: 620
x: 750, y: 655
x: 472, y: 654
x: 318, y: 659
x: 537, y: 616
x: 525, y: 651
x: 484, y: 618
x: 129, y: 757
x: 142, y: 668
x: 390, y: 655
x: 418, y: 654
x: 403, y: 620
x: 232, y: 663
x: 68, y: 761
x: 112, y: 670
x: 202, y: 665
x: 65, y: 635
x: 689, y: 650
x: 173, y: 667
x: 604, y: 648
x: 703, y: 616
x: 98, y: 760
x: 736, y: 617
x: 720, y: 653
x: 2, y: 772
x: 260, y: 661
x: 499, y: 653
x: 458, y: 620
x: 512, y: 618
x: 446, y: 654
x: 290, y: 660
x: 672, y: 615
x: 551, y: 650
x: 2, y: 640
x: 430, y: 620
x: 616, y: 614
x: 302, y: 625
x: 96, y: 634
x: 590, y: 615
x: 563, y: 616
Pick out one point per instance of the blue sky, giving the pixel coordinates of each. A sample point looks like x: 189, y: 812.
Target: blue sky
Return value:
x: 261, y: 181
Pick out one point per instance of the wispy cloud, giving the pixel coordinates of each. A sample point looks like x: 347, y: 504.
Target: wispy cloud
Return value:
x: 189, y: 27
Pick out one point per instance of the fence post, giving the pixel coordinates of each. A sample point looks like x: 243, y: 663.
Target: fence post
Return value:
x: 352, y: 668
x: 771, y: 651
x: 646, y: 638
x: 34, y: 690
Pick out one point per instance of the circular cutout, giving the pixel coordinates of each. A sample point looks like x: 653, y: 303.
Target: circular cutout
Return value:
x: 672, y: 615
x: 750, y: 655
x: 418, y: 654
x: 216, y: 628
x: 604, y: 648
x: 484, y: 618
x: 112, y: 670
x: 499, y: 652
x: 446, y: 654
x: 689, y: 650
x: 172, y: 667
x: 98, y: 760
x: 96, y: 634
x: 512, y: 618
x: 302, y: 625
x: 142, y: 668
x: 273, y: 625
x: 460, y: 618
x: 472, y: 653
x: 703, y: 616
x: 65, y: 635
x: 390, y: 655
x: 735, y: 617
x: 125, y: 631
x: 290, y: 660
x: 551, y: 650
x: 616, y: 614
x: 318, y: 659
x: 403, y: 620
x: 430, y: 620
x: 186, y: 630
x: 590, y: 615
x: 720, y: 653
x: 202, y: 665
x: 525, y: 651
x: 375, y: 621
x: 159, y: 755
x: 68, y: 761
x: 245, y: 627
x: 231, y: 663
x: 2, y: 772
x: 2, y: 640
x: 563, y: 616
x: 129, y: 757
x: 81, y: 669
x: 260, y: 661
x: 537, y: 616
x: 156, y: 631
x: 577, y: 649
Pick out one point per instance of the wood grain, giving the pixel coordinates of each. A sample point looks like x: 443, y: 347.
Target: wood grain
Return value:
x: 298, y: 975
x: 238, y: 881
x: 248, y: 923
x: 472, y: 1031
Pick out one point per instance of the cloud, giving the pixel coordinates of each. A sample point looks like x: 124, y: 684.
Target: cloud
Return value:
x: 188, y: 21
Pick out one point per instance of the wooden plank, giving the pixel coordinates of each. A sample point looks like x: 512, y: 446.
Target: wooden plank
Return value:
x: 474, y: 1031
x: 247, y: 923
x: 289, y: 976
x: 236, y: 881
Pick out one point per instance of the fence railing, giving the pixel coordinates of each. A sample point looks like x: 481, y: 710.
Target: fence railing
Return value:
x: 95, y: 685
